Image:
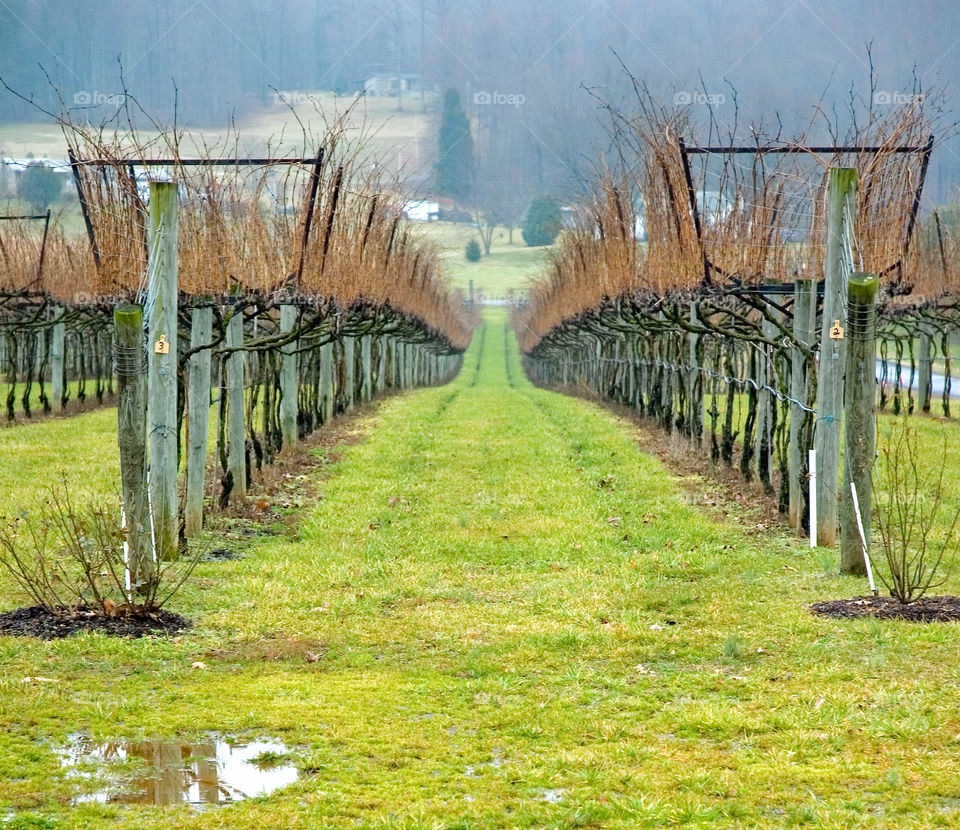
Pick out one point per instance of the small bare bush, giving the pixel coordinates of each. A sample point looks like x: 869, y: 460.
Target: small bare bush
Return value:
x: 908, y: 512
x: 69, y: 555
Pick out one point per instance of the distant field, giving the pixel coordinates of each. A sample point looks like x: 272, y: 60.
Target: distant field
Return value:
x: 402, y: 139
x: 509, y: 267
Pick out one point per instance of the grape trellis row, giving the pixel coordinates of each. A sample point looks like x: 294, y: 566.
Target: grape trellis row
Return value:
x: 300, y: 293
x: 716, y: 326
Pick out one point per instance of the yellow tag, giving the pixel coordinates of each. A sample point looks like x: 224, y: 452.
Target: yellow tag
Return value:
x: 162, y: 346
x: 836, y: 331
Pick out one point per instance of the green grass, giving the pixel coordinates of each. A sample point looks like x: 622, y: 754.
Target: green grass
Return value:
x: 520, y: 623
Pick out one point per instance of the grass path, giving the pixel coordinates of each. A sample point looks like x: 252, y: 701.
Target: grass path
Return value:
x: 501, y: 614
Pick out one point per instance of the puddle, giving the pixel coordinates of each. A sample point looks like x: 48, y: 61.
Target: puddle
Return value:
x: 156, y: 772
x: 554, y: 796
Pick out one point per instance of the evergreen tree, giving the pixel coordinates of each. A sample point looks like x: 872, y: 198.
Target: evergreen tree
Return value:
x: 455, y: 166
x: 543, y: 221
x: 39, y: 186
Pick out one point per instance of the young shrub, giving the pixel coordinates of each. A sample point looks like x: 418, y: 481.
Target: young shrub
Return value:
x: 542, y: 222
x: 68, y: 556
x: 908, y: 510
x: 473, y: 253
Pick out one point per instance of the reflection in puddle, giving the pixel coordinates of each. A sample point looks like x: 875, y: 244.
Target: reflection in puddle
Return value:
x: 216, y: 772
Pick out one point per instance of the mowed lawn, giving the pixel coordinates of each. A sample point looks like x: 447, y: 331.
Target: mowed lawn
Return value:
x: 502, y: 614
x: 508, y: 268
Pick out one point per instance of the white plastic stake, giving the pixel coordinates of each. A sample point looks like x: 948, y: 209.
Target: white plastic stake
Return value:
x: 863, y: 537
x: 812, y: 466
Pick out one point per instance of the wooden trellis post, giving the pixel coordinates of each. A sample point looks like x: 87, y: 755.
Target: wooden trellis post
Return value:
x: 350, y: 374
x: 859, y: 435
x: 804, y: 324
x: 924, y: 361
x: 162, y: 366
x: 131, y: 367
x: 366, y: 364
x: 236, y: 416
x: 841, y: 208
x: 288, y: 378
x: 198, y: 412
x: 326, y: 382
x: 57, y: 354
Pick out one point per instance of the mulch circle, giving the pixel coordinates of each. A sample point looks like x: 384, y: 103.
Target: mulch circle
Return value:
x: 220, y: 555
x: 36, y: 621
x: 925, y: 609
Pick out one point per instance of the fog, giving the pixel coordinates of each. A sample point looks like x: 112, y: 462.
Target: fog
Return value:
x: 532, y: 75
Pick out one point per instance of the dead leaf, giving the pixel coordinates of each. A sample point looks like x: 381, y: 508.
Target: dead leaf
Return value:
x: 198, y: 665
x: 40, y: 680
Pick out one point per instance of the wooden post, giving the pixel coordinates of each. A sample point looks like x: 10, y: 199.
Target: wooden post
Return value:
x: 366, y: 365
x: 841, y: 208
x: 288, y: 379
x: 162, y: 367
x: 350, y: 374
x: 198, y: 412
x: 236, y: 416
x: 326, y: 381
x: 131, y: 368
x: 381, y: 363
x: 859, y: 434
x: 694, y: 381
x: 57, y: 366
x: 767, y: 403
x: 923, y: 374
x: 804, y: 322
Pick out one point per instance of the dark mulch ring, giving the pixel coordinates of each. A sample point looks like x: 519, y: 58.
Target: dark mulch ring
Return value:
x: 220, y: 555
x: 36, y: 621
x: 926, y: 609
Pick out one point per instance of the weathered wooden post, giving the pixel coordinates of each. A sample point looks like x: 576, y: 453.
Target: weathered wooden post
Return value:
x: 694, y: 380
x: 130, y: 364
x: 859, y: 433
x: 350, y: 374
x: 381, y: 382
x: 57, y: 353
x: 198, y: 413
x: 326, y: 381
x: 236, y: 415
x: 804, y: 323
x: 162, y: 366
x: 924, y: 387
x: 366, y: 365
x: 288, y: 378
x: 841, y: 208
